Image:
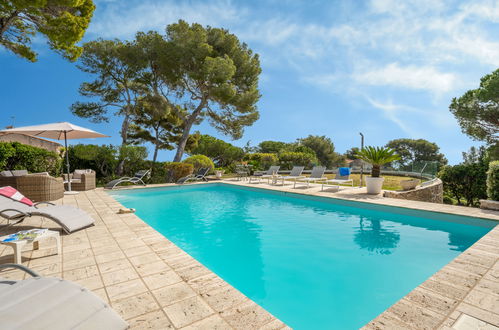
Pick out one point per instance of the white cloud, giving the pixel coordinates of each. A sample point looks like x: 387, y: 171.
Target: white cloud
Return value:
x: 412, y: 77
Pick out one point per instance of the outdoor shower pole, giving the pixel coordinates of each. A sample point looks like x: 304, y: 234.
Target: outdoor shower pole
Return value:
x: 362, y: 163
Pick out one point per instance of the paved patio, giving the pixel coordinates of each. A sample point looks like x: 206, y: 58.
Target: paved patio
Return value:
x: 154, y: 284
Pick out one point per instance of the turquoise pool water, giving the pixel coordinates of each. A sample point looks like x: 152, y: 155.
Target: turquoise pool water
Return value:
x: 314, y: 263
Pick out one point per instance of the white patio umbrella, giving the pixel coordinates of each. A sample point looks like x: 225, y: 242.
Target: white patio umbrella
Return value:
x: 57, y: 131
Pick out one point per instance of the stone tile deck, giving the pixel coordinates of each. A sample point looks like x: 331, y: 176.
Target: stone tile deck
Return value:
x: 151, y: 282
x: 154, y: 284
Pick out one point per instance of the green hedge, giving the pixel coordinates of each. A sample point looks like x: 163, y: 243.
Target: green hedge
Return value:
x: 177, y: 170
x: 466, y: 183
x: 199, y: 161
x: 493, y: 181
x: 261, y: 161
x: 289, y: 159
x: 18, y: 156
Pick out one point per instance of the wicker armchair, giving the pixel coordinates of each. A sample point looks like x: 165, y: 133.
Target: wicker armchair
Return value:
x: 40, y: 188
x: 81, y: 180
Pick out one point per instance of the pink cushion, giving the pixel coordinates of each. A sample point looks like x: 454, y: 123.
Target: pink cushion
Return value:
x: 12, y: 193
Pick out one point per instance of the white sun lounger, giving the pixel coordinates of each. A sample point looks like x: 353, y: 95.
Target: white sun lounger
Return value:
x: 316, y: 175
x: 68, y: 217
x: 338, y: 179
x: 138, y: 178
x: 52, y: 303
x: 266, y: 175
x: 294, y: 175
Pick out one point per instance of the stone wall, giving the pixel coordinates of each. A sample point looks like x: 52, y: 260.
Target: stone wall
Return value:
x: 31, y: 141
x: 431, y: 192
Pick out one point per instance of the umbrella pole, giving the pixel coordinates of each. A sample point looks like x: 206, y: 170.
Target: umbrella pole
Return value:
x: 67, y: 160
x: 69, y: 192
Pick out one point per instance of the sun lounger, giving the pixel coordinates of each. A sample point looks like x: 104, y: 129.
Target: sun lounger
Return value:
x: 267, y: 174
x: 52, y: 303
x: 68, y: 217
x: 294, y: 175
x: 316, y: 175
x: 242, y: 172
x: 136, y: 179
x: 342, y: 177
x: 200, y: 175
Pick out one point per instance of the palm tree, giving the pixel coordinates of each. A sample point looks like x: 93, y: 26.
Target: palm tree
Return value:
x: 377, y: 156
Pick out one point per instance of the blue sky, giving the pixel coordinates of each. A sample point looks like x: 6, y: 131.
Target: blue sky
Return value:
x: 385, y: 68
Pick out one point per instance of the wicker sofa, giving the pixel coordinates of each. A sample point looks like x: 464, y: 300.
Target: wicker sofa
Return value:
x: 81, y: 180
x: 39, y: 187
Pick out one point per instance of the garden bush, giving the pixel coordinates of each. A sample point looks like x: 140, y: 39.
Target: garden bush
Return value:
x: 493, y: 181
x: 105, y: 160
x: 18, y: 156
x: 289, y: 159
x: 261, y: 161
x: 466, y: 183
x: 102, y: 159
x: 199, y: 161
x: 177, y: 170
x: 133, y: 158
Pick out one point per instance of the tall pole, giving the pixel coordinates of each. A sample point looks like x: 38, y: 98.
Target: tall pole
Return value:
x: 67, y: 159
x: 362, y: 163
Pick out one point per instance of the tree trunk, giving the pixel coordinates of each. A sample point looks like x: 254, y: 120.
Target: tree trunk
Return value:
x: 124, y: 140
x: 187, y: 129
x: 375, y: 171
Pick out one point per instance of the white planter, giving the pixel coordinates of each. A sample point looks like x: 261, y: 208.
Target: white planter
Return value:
x: 218, y: 174
x: 374, y: 185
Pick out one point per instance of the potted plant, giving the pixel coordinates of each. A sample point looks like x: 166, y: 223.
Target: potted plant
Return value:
x: 376, y: 156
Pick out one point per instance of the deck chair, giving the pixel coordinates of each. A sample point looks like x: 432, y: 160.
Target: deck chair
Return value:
x: 295, y: 174
x: 200, y: 175
x: 242, y: 172
x: 267, y: 174
x: 316, y: 175
x: 136, y: 179
x: 52, y: 303
x: 68, y: 217
x: 342, y: 177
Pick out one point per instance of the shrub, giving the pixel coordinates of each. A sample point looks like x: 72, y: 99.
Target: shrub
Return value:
x: 105, y: 160
x: 176, y: 170
x: 261, y: 161
x: 466, y: 183
x: 102, y: 159
x: 493, y: 181
x: 199, y: 161
x: 288, y: 159
x: 6, y: 152
x: 17, y: 156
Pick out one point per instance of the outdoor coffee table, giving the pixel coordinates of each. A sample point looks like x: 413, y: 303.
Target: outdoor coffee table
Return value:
x: 18, y: 245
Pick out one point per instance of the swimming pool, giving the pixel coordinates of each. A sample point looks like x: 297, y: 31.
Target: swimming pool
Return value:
x: 315, y: 263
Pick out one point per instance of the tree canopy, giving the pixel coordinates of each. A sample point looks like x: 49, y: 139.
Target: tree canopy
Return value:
x: 477, y: 111
x: 62, y: 22
x: 221, y: 152
x: 411, y: 150
x: 272, y: 147
x: 216, y: 75
x: 115, y: 86
x: 323, y: 148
